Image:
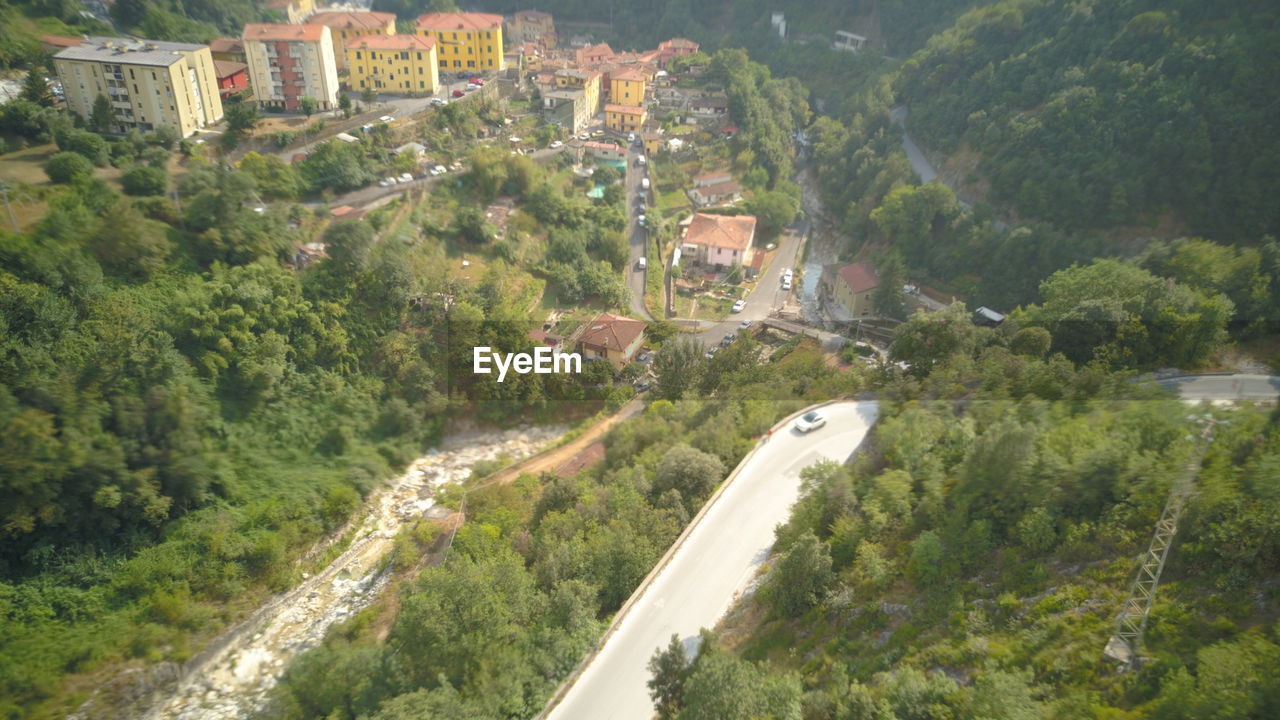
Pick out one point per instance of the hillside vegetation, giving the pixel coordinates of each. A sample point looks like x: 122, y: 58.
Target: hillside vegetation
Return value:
x: 971, y: 562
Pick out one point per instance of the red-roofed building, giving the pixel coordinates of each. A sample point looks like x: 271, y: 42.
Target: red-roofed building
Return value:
x: 624, y: 118
x: 611, y: 337
x: 232, y: 77
x: 673, y: 48
x: 290, y: 62
x: 225, y: 48
x: 593, y: 54
x: 720, y: 240
x: 393, y: 64
x: 465, y: 42
x: 348, y: 25
x: 721, y: 193
x: 851, y: 287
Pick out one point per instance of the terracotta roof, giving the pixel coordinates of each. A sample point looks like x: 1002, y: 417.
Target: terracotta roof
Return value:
x: 226, y: 45
x: 600, y: 146
x: 860, y: 277
x: 270, y: 32
x: 60, y: 40
x: 612, y: 332
x: 732, y: 232
x: 624, y: 109
x: 710, y: 178
x: 227, y: 68
x: 353, y: 19
x: 678, y: 43
x: 391, y: 42
x: 631, y: 75
x: 459, y: 21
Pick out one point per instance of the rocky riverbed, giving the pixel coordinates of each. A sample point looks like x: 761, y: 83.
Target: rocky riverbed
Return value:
x: 233, y: 676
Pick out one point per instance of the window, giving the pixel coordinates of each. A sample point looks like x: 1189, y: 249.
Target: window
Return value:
x: 357, y: 54
x: 421, y: 84
x: 471, y: 63
x: 444, y: 63
x: 457, y: 63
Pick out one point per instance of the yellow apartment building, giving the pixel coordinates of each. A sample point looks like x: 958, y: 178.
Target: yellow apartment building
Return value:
x: 347, y: 25
x: 465, y: 41
x: 402, y: 64
x: 623, y: 118
x: 149, y: 82
x: 627, y: 87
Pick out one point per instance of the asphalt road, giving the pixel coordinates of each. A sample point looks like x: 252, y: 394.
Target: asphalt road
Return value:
x: 638, y: 236
x: 768, y: 293
x: 716, y: 561
x: 1224, y: 388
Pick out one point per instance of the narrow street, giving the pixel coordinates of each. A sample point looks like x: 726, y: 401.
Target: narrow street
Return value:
x: 638, y: 236
x: 768, y: 294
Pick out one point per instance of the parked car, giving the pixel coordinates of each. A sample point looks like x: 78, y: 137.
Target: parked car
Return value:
x: 641, y: 161
x: 728, y: 339
x: 811, y: 421
x: 556, y: 145
x: 386, y: 182
x: 386, y: 119
x: 642, y: 219
x: 405, y: 177
x: 459, y: 93
x: 462, y: 75
x: 584, y: 136
x: 472, y: 86
x: 643, y: 385
x: 476, y: 81
x: 711, y: 353
x: 640, y: 264
x: 744, y: 325
x: 631, y: 137
x: 737, y: 306
x: 644, y: 183
x: 439, y: 102
x: 786, y: 285
x: 597, y: 134
x: 786, y: 275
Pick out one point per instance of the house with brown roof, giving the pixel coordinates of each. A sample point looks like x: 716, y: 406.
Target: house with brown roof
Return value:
x: 720, y: 240
x: 713, y: 177
x: 849, y: 288
x: 624, y: 118
x: 593, y: 54
x: 227, y: 49
x: 232, y: 77
x: 611, y: 337
x: 54, y: 43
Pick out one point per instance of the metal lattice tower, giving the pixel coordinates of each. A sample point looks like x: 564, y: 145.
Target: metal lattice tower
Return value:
x: 1132, y: 621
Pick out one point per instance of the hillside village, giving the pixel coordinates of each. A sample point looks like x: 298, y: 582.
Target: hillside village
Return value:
x: 331, y: 87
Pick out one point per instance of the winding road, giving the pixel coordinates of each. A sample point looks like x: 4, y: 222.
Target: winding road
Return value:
x: 708, y: 567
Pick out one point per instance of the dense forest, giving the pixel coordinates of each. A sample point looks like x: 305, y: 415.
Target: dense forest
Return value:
x: 971, y: 561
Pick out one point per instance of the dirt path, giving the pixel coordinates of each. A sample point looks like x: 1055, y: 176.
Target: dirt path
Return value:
x: 552, y: 458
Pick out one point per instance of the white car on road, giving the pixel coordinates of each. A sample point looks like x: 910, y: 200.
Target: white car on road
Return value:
x: 556, y: 145
x: 386, y: 119
x: 811, y: 421
x: 738, y: 306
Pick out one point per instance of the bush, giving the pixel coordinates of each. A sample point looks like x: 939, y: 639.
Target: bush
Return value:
x: 142, y: 180
x: 66, y: 167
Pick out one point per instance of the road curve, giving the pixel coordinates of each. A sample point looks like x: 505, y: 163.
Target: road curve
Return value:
x: 712, y: 563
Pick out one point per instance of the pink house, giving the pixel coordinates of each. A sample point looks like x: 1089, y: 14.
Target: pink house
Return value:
x: 720, y: 240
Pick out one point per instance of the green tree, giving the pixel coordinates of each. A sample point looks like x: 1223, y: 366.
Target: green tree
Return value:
x: 35, y: 89
x: 723, y: 687
x: 606, y: 175
x: 241, y: 118
x: 668, y: 670
x: 349, y: 244
x: 308, y: 105
x: 802, y: 577
x: 693, y: 472
x: 344, y: 104
x: 887, y: 299
x: 929, y: 338
x: 141, y: 180
x: 273, y: 177
x: 67, y: 167
x: 102, y: 116
x: 679, y: 366
x: 774, y: 210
